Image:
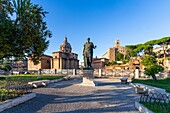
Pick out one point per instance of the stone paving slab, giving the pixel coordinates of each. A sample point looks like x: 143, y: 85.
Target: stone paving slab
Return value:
x: 69, y: 97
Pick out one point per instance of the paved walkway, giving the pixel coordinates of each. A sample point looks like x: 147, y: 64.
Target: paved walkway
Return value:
x: 68, y: 97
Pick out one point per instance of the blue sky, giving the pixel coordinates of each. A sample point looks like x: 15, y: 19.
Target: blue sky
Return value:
x: 104, y: 21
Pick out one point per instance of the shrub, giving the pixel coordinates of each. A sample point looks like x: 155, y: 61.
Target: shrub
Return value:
x: 6, y: 67
x: 168, y: 58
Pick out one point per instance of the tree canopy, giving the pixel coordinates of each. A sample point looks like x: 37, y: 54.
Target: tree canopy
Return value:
x: 148, y: 60
x: 147, y: 46
x: 24, y: 32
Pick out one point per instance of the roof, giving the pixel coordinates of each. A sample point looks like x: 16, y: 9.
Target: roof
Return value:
x: 46, y: 55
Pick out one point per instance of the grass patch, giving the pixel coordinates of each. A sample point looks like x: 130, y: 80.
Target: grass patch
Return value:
x: 157, y: 107
x: 17, y: 80
x: 30, y: 77
x: 162, y: 83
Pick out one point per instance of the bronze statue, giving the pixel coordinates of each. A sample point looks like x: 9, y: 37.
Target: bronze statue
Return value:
x: 88, y: 54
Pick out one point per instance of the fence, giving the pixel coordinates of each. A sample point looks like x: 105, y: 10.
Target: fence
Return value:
x: 113, y: 73
x: 159, y: 103
x: 54, y: 71
x: 99, y: 72
x: 13, y: 88
x: 118, y: 73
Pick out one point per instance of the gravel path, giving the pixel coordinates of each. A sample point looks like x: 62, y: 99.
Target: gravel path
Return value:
x: 69, y: 97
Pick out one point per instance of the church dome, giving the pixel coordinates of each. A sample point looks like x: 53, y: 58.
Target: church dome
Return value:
x: 65, y: 46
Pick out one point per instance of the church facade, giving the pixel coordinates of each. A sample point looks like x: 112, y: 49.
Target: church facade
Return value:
x: 63, y: 59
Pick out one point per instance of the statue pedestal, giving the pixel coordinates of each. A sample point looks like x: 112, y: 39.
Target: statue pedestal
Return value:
x: 88, y: 78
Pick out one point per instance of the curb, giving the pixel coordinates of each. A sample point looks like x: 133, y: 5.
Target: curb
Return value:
x: 132, y: 85
x: 141, y: 108
x: 159, y: 90
x: 57, y: 80
x: 16, y: 101
x: 61, y: 79
x: 38, y: 83
x: 64, y: 78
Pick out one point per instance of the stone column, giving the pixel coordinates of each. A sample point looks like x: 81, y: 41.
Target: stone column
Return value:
x: 74, y: 71
x: 166, y: 74
x: 100, y: 72
x: 142, y: 73
x: 39, y: 72
x: 77, y: 64
x: 55, y: 71
x: 137, y: 73
x: 74, y: 63
x: 57, y: 63
x: 61, y: 63
x: 52, y: 66
x: 68, y: 64
x: 88, y: 78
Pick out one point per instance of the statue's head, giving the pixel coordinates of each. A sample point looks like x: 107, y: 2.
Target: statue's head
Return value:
x: 88, y: 39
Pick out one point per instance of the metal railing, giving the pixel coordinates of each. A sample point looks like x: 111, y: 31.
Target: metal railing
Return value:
x: 13, y: 88
x: 159, y: 103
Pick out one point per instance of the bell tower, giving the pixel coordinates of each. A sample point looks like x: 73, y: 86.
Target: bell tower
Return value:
x: 117, y: 43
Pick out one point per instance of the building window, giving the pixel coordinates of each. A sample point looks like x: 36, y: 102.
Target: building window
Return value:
x: 48, y: 61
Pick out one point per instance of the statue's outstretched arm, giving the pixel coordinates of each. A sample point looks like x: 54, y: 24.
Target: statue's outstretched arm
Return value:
x: 95, y: 46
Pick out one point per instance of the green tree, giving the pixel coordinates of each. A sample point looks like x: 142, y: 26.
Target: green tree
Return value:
x: 108, y: 63
x: 111, y: 63
x: 119, y: 56
x: 148, y: 49
x: 26, y: 34
x: 6, y: 67
x: 152, y: 66
x: 130, y: 51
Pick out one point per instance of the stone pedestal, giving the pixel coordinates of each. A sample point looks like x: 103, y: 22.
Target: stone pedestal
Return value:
x: 88, y: 78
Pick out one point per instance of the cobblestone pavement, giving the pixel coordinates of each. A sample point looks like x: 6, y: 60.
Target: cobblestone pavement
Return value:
x: 69, y: 97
